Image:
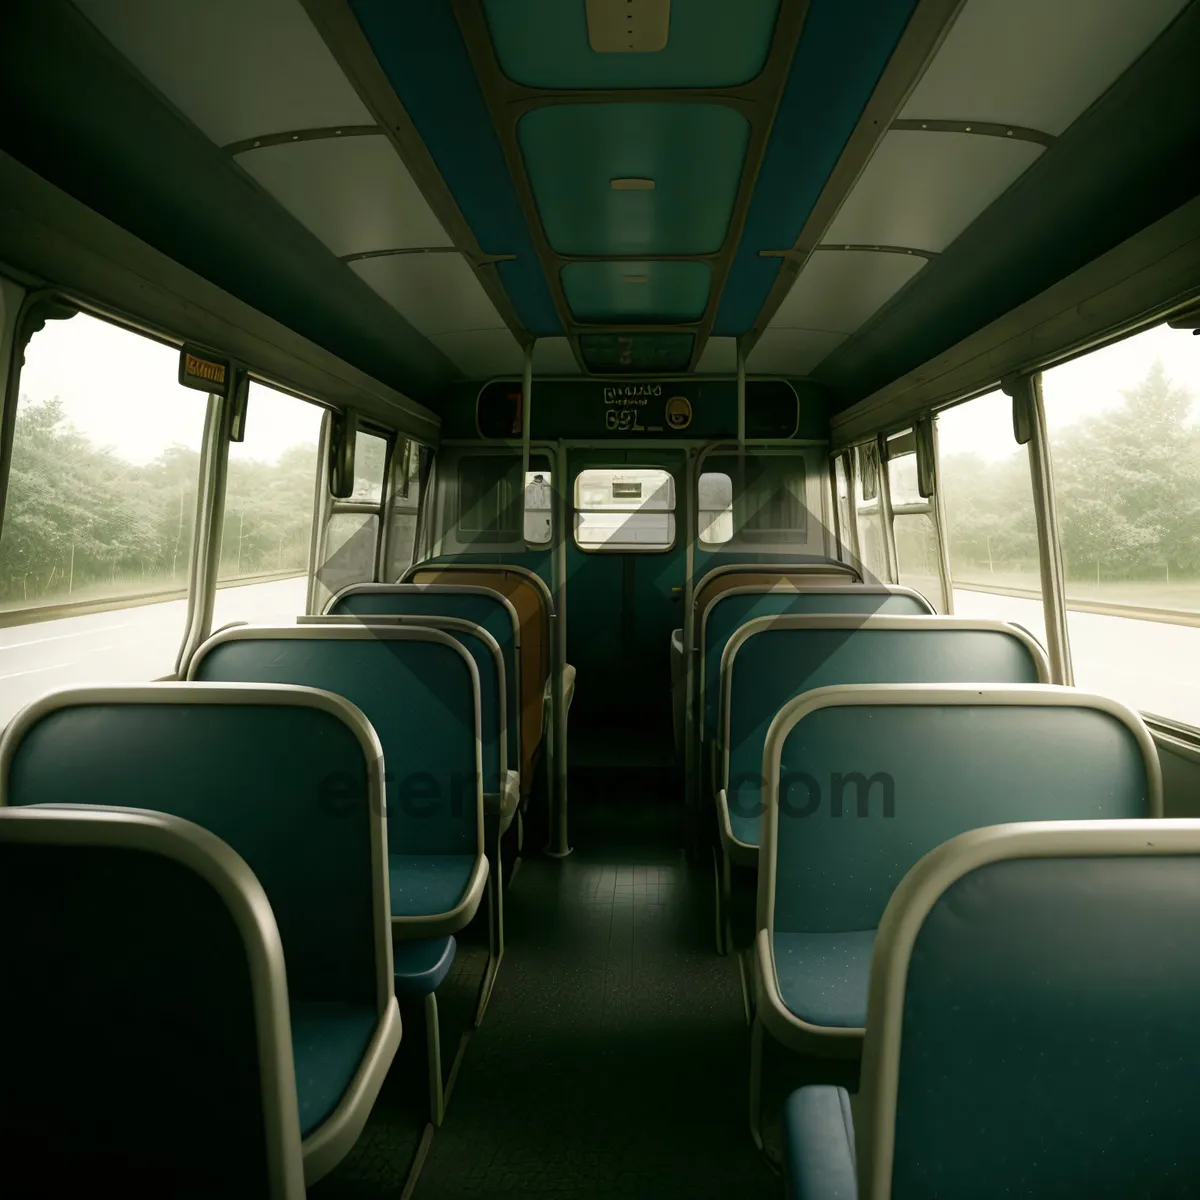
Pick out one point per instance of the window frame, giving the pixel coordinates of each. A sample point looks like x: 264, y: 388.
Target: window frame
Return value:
x: 575, y: 510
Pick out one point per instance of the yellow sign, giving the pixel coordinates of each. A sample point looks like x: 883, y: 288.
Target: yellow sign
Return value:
x: 201, y: 372
x: 679, y: 412
x: 200, y: 368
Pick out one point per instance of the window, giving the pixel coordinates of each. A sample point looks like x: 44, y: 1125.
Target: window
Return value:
x: 370, y: 462
x: 869, y: 516
x: 913, y: 524
x: 991, y: 531
x: 753, y: 499
x: 100, y: 512
x: 539, y: 507
x: 406, y: 505
x: 267, y: 531
x: 714, y: 491
x: 625, y: 508
x: 845, y: 518
x: 492, y: 507
x: 349, y: 554
x: 1124, y: 431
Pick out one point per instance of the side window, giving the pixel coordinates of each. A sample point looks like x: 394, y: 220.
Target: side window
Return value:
x: 370, y: 462
x: 845, y: 515
x: 267, y: 531
x: 991, y: 531
x: 539, y: 507
x: 1124, y: 431
x: 913, y: 525
x: 714, y: 492
x: 869, y: 514
x: 494, y: 509
x: 625, y: 508
x: 100, y: 512
x: 406, y: 506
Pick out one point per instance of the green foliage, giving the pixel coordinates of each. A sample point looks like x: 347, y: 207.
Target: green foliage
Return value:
x: 82, y: 523
x: 1126, y: 484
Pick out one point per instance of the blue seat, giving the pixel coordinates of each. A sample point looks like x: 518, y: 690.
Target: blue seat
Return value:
x: 421, y: 968
x: 772, y: 659
x: 864, y: 780
x: 481, y: 606
x: 1032, y: 1025
x: 732, y: 610
x: 419, y: 689
x: 145, y: 1010
x: 290, y: 779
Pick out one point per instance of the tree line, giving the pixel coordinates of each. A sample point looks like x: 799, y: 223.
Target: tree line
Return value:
x: 81, y: 522
x: 1126, y: 487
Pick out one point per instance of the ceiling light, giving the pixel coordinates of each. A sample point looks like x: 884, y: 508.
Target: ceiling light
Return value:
x: 631, y: 185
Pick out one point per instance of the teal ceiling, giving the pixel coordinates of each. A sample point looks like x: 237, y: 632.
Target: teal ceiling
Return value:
x: 601, y: 293
x: 713, y: 43
x: 693, y: 153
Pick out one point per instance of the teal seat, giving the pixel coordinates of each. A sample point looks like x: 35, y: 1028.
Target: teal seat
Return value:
x: 1032, y: 1029
x: 419, y: 688
x: 481, y: 606
x: 862, y: 781
x: 771, y: 660
x: 289, y: 778
x: 145, y: 1013
x: 732, y: 610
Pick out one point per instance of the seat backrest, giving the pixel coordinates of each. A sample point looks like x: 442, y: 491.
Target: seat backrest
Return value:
x: 1032, y: 1022
x: 489, y: 662
x: 531, y: 598
x: 418, y: 687
x: 734, y: 609
x: 862, y: 781
x: 720, y: 579
x: 290, y: 778
x: 771, y: 660
x: 147, y: 1045
x: 482, y: 606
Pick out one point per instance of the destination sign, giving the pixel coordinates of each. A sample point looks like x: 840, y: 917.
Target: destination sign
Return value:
x: 681, y: 408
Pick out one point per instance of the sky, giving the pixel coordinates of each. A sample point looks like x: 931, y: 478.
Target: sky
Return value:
x: 120, y: 390
x: 1091, y: 384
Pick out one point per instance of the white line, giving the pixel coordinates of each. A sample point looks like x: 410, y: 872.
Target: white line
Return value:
x: 58, y: 637
x: 37, y: 671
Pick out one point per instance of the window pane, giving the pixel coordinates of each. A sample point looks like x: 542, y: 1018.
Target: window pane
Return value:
x: 539, y: 498
x: 991, y: 530
x: 402, y: 535
x: 349, y: 553
x: 488, y: 498
x: 268, y: 511
x: 101, y: 509
x: 902, y: 480
x: 627, y: 508
x: 844, y: 514
x: 714, y: 491
x: 917, y: 555
x: 370, y: 459
x: 1124, y: 426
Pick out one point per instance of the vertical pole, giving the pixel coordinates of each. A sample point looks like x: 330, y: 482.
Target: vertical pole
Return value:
x: 526, y: 413
x: 940, y: 524
x: 741, y: 397
x: 1026, y: 391
x: 886, y: 516
x: 559, y: 845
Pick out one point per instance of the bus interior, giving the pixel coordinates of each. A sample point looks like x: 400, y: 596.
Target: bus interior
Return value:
x: 600, y: 598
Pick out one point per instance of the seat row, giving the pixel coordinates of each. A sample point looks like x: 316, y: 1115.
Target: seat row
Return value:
x: 345, y: 779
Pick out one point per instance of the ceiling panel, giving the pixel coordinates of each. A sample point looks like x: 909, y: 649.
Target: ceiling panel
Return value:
x: 838, y: 290
x: 554, y: 356
x: 238, y: 68
x: 792, y: 351
x: 354, y: 193
x: 1033, y: 63
x: 691, y: 153
x: 921, y: 190
x: 630, y: 353
x: 482, y: 353
x: 710, y: 43
x: 434, y: 293
x: 719, y: 356
x: 614, y: 292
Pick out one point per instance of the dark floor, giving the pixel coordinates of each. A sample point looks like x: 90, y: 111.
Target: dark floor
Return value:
x: 613, y: 1057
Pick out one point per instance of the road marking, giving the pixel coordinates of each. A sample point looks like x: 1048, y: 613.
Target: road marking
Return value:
x: 59, y: 637
x: 37, y: 670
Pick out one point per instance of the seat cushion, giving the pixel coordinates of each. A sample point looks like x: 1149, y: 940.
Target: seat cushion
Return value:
x: 421, y: 966
x: 329, y: 1041
x: 823, y: 977
x: 427, y: 885
x: 818, y: 1156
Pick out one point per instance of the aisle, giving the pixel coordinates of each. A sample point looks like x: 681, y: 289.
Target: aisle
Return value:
x: 612, y: 1060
